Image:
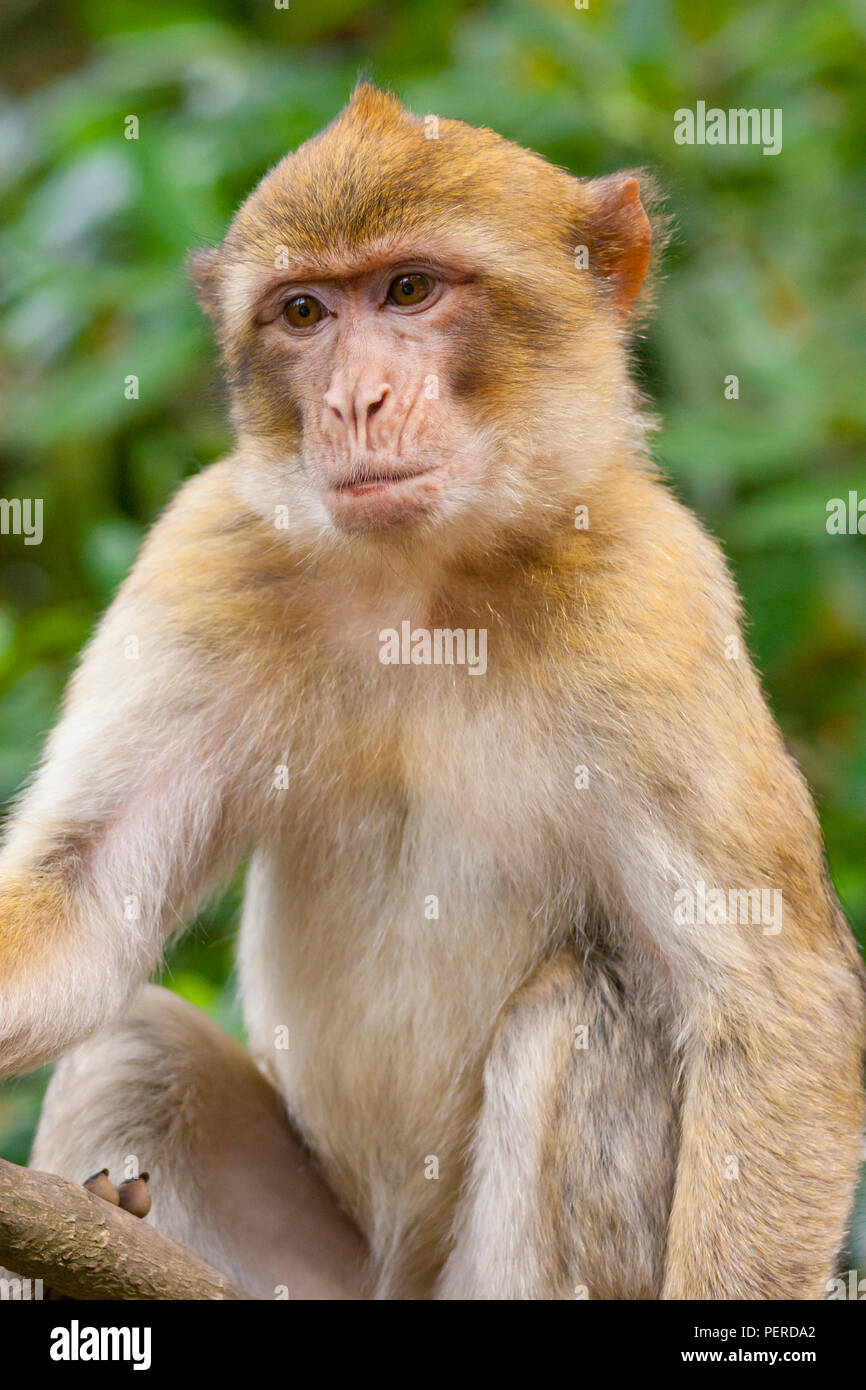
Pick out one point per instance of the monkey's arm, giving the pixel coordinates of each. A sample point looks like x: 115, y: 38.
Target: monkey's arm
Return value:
x: 767, y: 989
x: 136, y: 812
x: 771, y: 1044
x: 771, y: 1125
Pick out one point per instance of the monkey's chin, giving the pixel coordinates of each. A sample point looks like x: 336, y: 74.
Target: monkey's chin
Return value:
x: 378, y: 504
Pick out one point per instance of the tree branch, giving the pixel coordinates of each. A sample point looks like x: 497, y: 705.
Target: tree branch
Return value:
x: 88, y: 1249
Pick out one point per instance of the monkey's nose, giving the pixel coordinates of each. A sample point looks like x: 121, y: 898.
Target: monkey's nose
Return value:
x: 354, y: 407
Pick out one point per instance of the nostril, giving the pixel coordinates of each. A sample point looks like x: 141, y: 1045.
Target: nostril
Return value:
x: 354, y: 408
x: 331, y: 399
x: 377, y: 403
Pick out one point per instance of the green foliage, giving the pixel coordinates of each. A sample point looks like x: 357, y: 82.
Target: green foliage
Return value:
x: 764, y: 280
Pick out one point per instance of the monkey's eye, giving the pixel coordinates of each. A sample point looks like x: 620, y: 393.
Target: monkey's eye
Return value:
x: 408, y: 290
x: 303, y: 311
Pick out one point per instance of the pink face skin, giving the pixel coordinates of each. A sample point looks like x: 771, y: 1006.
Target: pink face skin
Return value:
x: 369, y: 356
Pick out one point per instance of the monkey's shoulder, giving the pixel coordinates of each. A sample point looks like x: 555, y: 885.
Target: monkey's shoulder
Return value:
x: 208, y: 517
x: 647, y: 578
x: 212, y: 565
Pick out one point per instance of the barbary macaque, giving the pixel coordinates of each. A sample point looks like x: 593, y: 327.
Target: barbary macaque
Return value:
x: 519, y: 1023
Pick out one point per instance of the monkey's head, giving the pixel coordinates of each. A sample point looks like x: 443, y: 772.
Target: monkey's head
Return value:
x: 425, y: 326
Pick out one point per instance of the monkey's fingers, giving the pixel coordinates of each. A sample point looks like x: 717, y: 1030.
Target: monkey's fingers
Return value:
x: 134, y: 1195
x: 100, y: 1185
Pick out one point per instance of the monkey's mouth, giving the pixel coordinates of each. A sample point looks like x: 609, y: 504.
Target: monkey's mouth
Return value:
x: 368, y: 482
x: 373, y: 498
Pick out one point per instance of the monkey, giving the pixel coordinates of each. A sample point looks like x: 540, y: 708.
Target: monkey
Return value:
x: 519, y: 1025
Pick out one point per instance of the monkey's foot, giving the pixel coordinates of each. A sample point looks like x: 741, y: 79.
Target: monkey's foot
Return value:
x: 133, y: 1196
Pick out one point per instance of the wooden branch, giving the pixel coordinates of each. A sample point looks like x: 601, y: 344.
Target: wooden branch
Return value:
x: 86, y: 1248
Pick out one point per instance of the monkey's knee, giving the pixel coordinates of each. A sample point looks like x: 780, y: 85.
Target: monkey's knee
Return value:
x: 616, y: 1138
x: 124, y: 1098
x: 576, y: 1146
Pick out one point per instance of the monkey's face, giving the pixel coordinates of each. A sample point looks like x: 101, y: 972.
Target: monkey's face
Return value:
x: 355, y: 368
x: 422, y: 323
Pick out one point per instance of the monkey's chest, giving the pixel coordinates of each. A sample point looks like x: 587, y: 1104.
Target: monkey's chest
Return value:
x: 414, y: 884
x: 375, y: 964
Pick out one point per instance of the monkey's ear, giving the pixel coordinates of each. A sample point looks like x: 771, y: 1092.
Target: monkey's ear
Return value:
x: 202, y: 266
x: 621, y: 236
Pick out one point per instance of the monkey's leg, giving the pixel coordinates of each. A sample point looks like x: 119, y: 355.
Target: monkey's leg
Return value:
x: 167, y: 1091
x: 572, y: 1175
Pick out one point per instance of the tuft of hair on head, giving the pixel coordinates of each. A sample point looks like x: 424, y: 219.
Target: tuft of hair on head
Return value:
x: 371, y: 103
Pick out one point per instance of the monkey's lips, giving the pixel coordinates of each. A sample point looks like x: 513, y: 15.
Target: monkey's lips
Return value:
x: 382, y: 496
x: 372, y: 480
